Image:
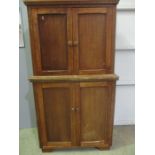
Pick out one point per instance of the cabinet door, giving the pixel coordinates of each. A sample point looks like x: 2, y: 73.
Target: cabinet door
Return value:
x: 54, y: 103
x: 96, y: 114
x: 51, y: 35
x: 93, y: 32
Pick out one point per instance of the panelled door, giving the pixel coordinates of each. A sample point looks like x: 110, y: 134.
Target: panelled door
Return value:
x: 96, y: 108
x: 51, y: 33
x: 56, y: 113
x: 92, y: 40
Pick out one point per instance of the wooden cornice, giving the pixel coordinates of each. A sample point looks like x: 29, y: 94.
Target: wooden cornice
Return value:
x: 55, y: 2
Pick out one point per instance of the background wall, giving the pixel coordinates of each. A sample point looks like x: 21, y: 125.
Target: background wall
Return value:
x: 124, y: 67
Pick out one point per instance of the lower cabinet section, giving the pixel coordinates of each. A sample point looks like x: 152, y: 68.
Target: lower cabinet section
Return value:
x: 74, y: 114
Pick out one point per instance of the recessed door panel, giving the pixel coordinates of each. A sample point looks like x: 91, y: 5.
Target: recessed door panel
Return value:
x: 92, y: 35
x: 53, y: 41
x: 57, y: 104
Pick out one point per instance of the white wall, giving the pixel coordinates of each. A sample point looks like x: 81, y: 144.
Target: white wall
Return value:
x: 125, y: 63
x: 124, y: 67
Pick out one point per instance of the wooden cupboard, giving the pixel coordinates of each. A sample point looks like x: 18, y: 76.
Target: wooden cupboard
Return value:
x: 72, y: 44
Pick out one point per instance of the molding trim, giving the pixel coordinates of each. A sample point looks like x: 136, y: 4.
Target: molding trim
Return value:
x: 124, y: 122
x: 125, y: 83
x: 125, y: 50
x: 125, y: 9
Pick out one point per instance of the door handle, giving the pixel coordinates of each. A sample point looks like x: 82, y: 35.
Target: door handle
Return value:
x: 73, y: 109
x: 70, y: 43
x: 75, y: 43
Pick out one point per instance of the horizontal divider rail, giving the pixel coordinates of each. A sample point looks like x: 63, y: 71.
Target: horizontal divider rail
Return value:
x: 74, y: 78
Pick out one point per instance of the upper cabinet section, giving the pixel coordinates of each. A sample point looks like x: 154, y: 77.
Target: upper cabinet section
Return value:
x: 72, y: 40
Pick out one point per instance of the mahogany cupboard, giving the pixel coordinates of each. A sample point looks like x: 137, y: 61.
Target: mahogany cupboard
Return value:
x: 72, y: 45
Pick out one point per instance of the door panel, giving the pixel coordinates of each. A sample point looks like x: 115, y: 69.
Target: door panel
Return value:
x: 95, y: 115
x: 53, y: 41
x: 92, y: 33
x: 57, y: 113
x: 54, y: 102
x: 53, y: 30
x: 91, y: 41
